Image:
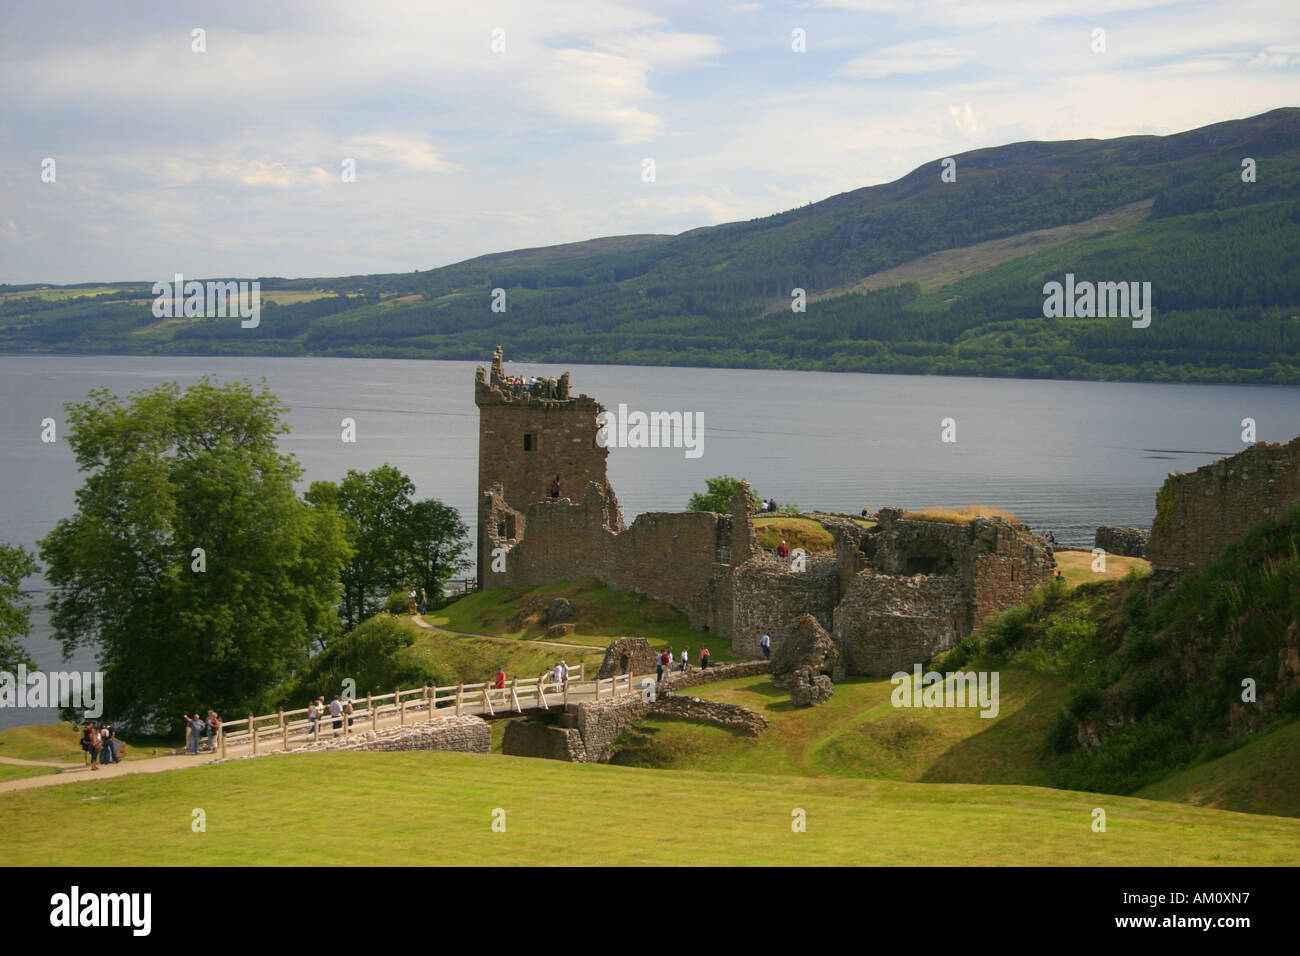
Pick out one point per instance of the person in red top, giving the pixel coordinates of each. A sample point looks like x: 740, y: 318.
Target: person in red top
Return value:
x: 500, y: 679
x: 783, y: 550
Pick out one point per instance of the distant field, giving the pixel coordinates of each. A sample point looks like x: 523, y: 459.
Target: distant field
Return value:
x: 409, y: 809
x: 1077, y: 567
x: 963, y: 514
x: 59, y: 295
x: 795, y: 532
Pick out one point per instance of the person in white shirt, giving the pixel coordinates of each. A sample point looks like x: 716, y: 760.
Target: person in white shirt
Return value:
x: 336, y: 711
x: 685, y: 658
x: 558, y: 674
x: 766, y: 644
x: 564, y: 666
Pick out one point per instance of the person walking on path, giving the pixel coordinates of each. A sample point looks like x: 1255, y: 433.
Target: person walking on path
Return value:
x: 704, y: 658
x: 558, y: 674
x: 347, y: 710
x: 765, y: 642
x: 686, y: 658
x: 424, y: 601
x: 195, y: 724
x: 96, y: 747
x: 313, y: 715
x: 668, y: 665
x: 659, y: 665
x: 336, y: 711
x: 564, y: 670
x: 106, y: 744
x: 499, y: 682
x: 86, y: 747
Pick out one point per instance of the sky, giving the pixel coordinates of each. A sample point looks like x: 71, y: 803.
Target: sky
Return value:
x: 503, y: 124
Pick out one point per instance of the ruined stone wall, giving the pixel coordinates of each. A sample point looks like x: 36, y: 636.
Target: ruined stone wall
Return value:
x: 1201, y: 513
x: 601, y: 721
x: 632, y: 655
x: 886, y: 623
x: 727, y: 716
x: 1130, y: 542
x: 714, y: 672
x: 669, y: 557
x: 1010, y: 562
x: 768, y: 596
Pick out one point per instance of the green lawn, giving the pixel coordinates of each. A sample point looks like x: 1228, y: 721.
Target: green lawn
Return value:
x: 437, y: 808
x: 453, y: 658
x: 42, y: 742
x: 859, y: 733
x: 11, y: 772
x: 1260, y: 776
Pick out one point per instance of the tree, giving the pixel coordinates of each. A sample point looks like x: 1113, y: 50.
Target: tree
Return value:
x: 718, y: 496
x: 190, y: 561
x: 15, y: 615
x: 397, y: 542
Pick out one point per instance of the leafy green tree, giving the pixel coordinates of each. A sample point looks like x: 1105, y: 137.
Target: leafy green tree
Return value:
x: 190, y: 561
x: 717, y: 498
x: 397, y: 542
x: 15, y: 615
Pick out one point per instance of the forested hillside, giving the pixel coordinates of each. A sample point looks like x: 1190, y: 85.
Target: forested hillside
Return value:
x: 1219, y: 253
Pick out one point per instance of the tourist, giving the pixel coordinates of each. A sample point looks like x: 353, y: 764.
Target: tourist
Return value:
x: 704, y: 658
x: 336, y: 711
x: 424, y: 601
x: 500, y: 680
x: 86, y: 747
x: 1059, y: 575
x: 196, y: 730
x: 865, y: 512
x: 558, y: 674
x: 555, y: 487
x: 669, y: 662
x: 765, y: 642
x: 771, y: 504
x: 96, y: 745
x: 214, y: 729
x: 564, y: 670
x: 659, y: 666
x: 106, y: 744
x: 313, y: 714
x: 783, y: 550
x: 685, y: 659
x: 1051, y: 538
x: 412, y: 606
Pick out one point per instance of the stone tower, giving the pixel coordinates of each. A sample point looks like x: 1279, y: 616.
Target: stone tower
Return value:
x: 527, y: 436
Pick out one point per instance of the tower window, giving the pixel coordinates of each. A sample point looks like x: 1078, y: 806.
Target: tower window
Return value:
x: 528, y: 441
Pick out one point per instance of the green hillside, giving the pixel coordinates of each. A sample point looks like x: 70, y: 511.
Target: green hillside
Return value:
x: 1172, y: 211
x: 437, y: 808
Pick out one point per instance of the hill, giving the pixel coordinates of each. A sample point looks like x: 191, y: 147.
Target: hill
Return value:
x: 916, y: 276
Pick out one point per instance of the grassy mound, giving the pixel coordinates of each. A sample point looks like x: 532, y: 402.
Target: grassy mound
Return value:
x: 796, y: 532
x: 859, y: 733
x: 42, y: 742
x: 256, y: 815
x: 602, y: 615
x: 1077, y: 567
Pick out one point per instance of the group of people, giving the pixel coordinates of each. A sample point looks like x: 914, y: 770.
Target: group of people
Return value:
x: 198, y: 728
x: 417, y: 601
x: 338, y: 709
x: 1049, y: 537
x: 768, y: 505
x: 100, y: 744
x: 531, y: 385
x: 664, y: 664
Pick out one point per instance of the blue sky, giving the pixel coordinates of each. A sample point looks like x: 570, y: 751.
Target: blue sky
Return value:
x: 228, y: 162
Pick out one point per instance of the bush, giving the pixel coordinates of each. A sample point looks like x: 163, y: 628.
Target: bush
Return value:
x: 398, y: 602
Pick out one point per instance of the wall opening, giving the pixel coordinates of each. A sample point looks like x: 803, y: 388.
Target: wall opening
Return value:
x: 528, y: 441
x: 927, y: 556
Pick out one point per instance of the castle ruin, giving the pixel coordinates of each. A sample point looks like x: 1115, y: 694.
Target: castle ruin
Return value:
x: 890, y: 595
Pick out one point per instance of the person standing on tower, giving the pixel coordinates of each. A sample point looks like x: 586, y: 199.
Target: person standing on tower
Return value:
x: 555, y: 488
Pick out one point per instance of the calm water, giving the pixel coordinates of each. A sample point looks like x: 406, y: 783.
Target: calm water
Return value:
x: 1062, y: 455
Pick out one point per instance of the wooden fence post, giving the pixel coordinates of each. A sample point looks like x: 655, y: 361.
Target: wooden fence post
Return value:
x: 284, y: 730
x: 460, y: 697
x: 370, y: 706
x: 401, y: 709
x: 222, y: 732
x: 252, y: 732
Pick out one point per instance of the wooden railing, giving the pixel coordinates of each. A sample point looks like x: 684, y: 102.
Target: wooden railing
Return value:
x: 285, y: 727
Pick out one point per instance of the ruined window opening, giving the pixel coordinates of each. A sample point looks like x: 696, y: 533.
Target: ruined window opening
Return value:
x: 501, y: 529
x: 528, y: 441
x: 724, y: 556
x: 927, y: 556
